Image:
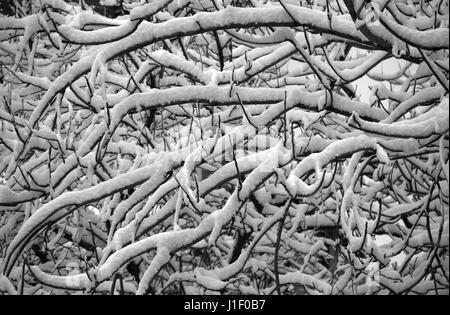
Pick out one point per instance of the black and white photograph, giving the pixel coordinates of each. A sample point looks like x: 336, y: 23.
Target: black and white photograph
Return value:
x: 224, y: 151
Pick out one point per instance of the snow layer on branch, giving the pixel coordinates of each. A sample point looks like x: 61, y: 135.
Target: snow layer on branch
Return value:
x: 428, y: 39
x: 6, y: 286
x: 149, y: 9
x: 9, y: 197
x: 97, y: 37
x: 308, y: 280
x: 68, y: 202
x: 172, y: 152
